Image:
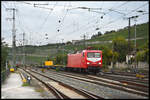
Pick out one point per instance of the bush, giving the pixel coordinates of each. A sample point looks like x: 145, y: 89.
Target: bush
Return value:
x: 57, y: 69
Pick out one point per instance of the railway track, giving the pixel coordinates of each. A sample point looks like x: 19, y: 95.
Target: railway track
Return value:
x: 122, y: 79
x: 61, y: 90
x: 145, y: 75
x: 125, y: 78
x: 122, y: 85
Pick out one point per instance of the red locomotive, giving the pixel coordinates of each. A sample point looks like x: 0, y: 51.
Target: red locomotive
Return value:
x: 87, y: 60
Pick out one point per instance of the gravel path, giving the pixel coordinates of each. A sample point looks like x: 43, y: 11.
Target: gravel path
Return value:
x: 39, y: 87
x: 13, y: 89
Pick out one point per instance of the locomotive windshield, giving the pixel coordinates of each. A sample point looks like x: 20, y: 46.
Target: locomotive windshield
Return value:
x: 93, y: 55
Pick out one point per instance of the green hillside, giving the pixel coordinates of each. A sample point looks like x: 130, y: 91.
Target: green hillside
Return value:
x: 142, y: 31
x: 52, y: 50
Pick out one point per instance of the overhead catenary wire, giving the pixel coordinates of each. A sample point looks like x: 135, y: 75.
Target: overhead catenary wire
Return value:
x: 110, y: 10
x: 104, y: 25
x: 58, y: 29
x: 105, y: 14
x: 45, y: 20
x: 22, y: 26
x: 62, y: 21
x: 89, y: 26
x: 29, y: 31
x: 90, y: 19
x: 30, y: 4
x: 33, y: 4
x: 121, y: 16
x: 4, y: 6
x: 125, y: 14
x: 85, y: 25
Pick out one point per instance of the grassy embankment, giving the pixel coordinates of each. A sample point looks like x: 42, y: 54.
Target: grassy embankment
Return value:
x: 142, y: 32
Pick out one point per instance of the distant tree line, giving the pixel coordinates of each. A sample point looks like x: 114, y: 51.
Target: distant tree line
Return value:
x: 112, y: 31
x: 96, y: 35
x: 100, y: 34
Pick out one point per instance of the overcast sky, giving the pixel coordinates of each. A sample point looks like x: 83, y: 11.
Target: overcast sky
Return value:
x: 41, y: 22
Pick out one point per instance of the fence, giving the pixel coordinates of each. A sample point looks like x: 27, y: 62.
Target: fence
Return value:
x: 4, y: 75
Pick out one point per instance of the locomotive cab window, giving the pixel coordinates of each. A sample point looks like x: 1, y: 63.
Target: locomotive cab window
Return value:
x: 93, y: 55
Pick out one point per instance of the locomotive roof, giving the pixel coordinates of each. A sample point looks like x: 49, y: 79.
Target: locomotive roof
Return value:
x: 85, y: 51
x: 90, y: 50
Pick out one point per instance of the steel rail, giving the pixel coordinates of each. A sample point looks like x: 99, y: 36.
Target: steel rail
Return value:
x: 139, y: 91
x: 79, y: 91
x: 54, y: 91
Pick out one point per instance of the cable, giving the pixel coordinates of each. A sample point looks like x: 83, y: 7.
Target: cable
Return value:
x: 118, y: 18
x: 34, y: 5
x: 126, y: 14
x: 105, y: 14
x: 47, y: 17
x: 37, y: 6
x: 116, y: 7
x: 83, y: 26
x: 90, y: 19
x: 4, y: 6
x: 62, y: 22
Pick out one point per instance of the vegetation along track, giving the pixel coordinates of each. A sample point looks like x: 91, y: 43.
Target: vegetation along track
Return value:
x: 131, y: 88
x: 61, y: 90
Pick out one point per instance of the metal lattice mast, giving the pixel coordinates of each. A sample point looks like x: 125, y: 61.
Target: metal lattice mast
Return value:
x: 14, y: 36
x: 23, y: 49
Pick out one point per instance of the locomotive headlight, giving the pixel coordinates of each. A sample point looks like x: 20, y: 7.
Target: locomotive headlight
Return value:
x: 99, y: 63
x: 88, y: 63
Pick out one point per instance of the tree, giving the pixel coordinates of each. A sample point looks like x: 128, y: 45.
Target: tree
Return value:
x: 61, y: 59
x: 139, y: 56
x: 143, y: 53
x: 99, y: 33
x: 58, y: 59
x: 146, y: 52
x: 68, y: 43
x: 120, y: 45
x: 93, y: 36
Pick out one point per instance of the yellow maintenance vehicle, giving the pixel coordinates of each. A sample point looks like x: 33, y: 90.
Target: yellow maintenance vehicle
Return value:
x: 48, y: 63
x: 12, y: 69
